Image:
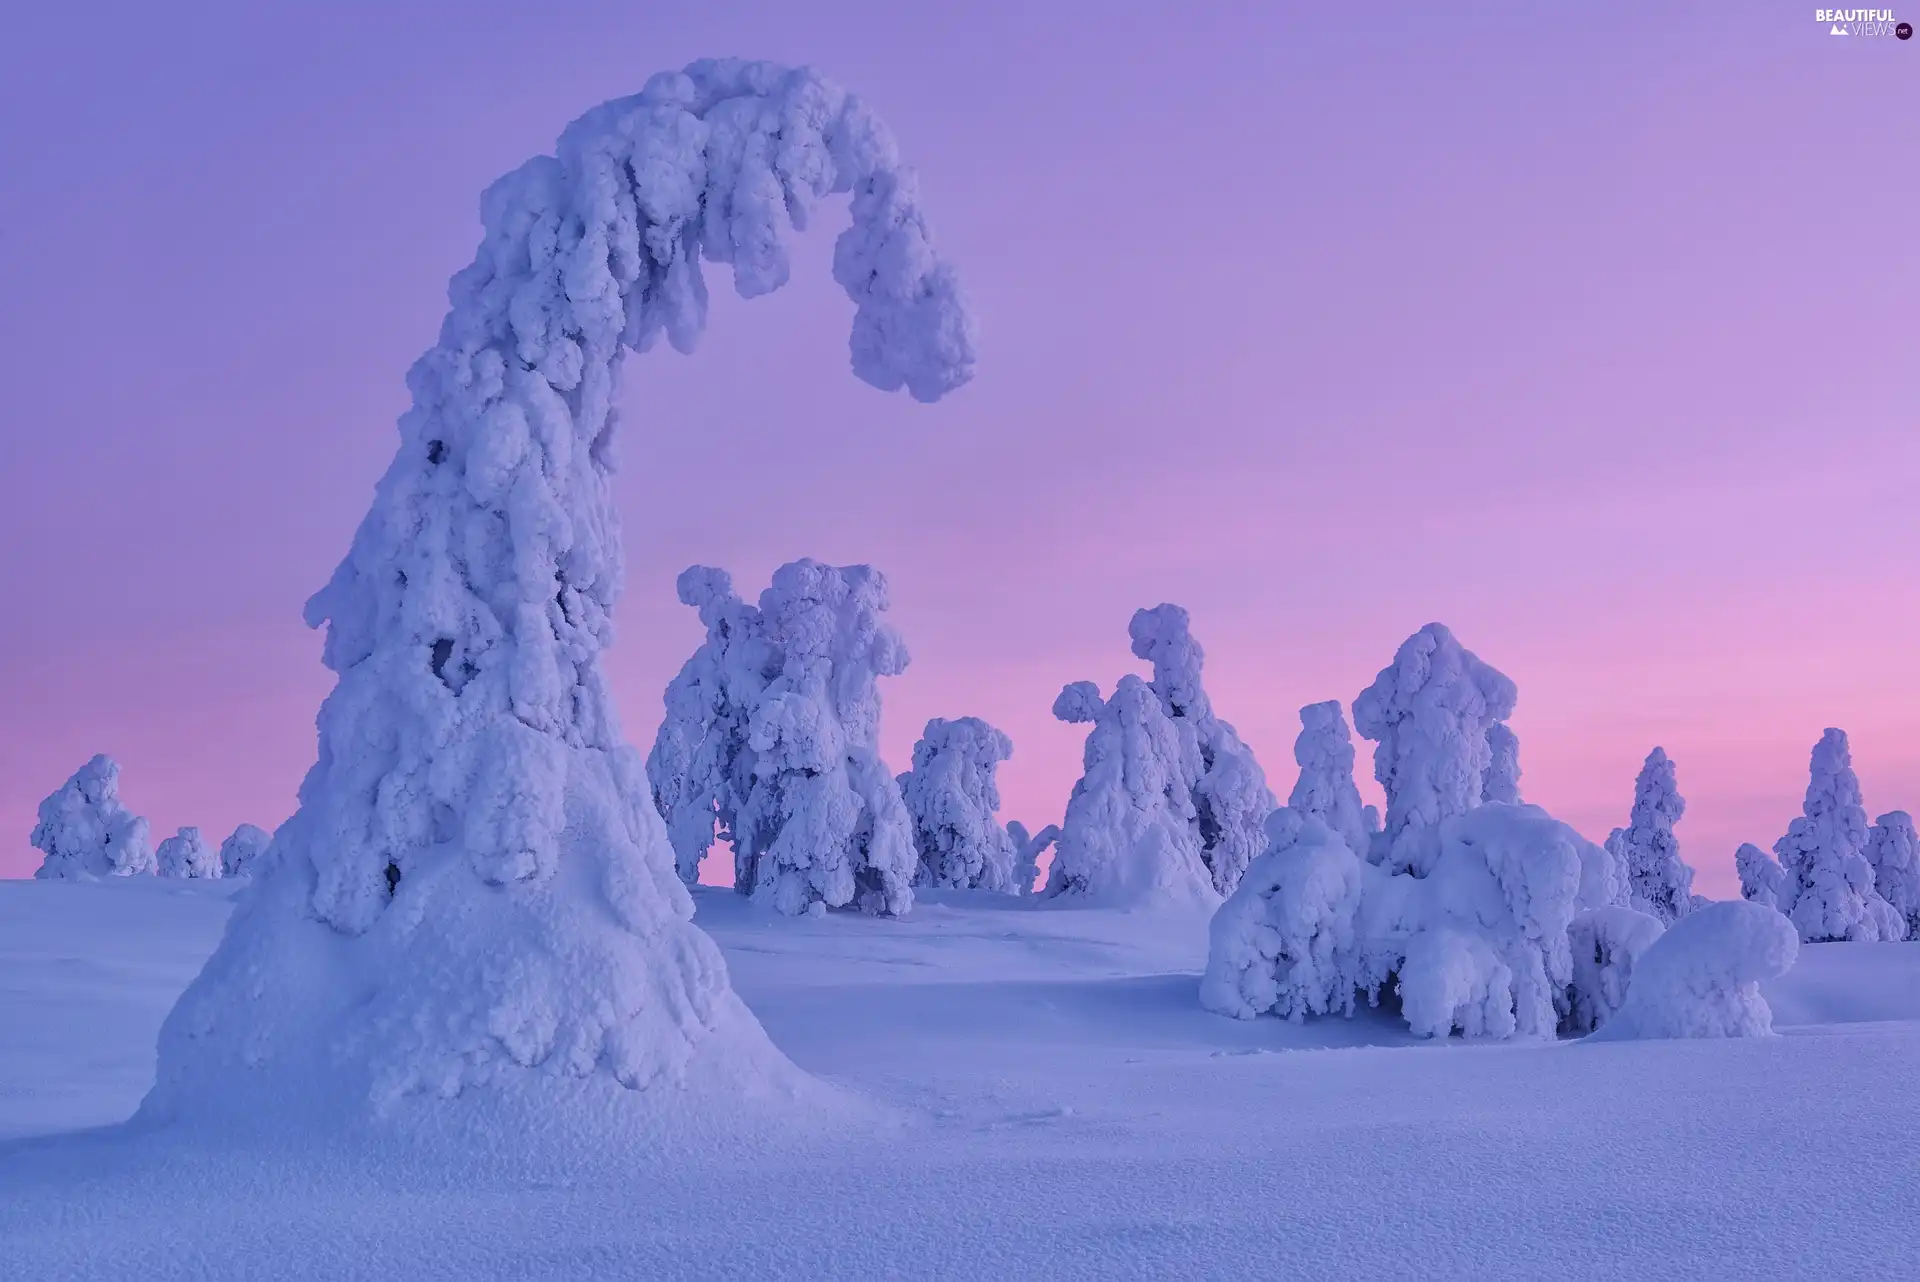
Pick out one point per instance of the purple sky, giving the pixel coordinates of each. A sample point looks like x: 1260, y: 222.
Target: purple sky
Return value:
x: 1588, y: 330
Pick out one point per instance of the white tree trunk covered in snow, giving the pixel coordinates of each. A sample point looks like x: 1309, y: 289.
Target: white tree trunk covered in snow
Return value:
x: 475, y: 890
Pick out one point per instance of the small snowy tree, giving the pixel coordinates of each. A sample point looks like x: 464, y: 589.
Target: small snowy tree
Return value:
x: 954, y: 800
x: 1129, y: 839
x: 1429, y: 713
x: 1027, y: 848
x: 1702, y: 977
x: 241, y: 851
x: 1828, y: 878
x: 1762, y: 880
x: 1895, y: 855
x: 1661, y: 883
x: 1325, y: 789
x: 1231, y: 800
x: 84, y: 830
x: 187, y: 854
x: 1502, y: 783
x: 1607, y: 942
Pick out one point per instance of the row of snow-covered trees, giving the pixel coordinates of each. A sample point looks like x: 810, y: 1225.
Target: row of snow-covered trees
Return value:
x: 86, y: 831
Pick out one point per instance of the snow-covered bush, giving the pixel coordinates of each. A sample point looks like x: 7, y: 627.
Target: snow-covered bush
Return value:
x: 1129, y: 839
x: 1662, y: 884
x: 187, y: 854
x: 1895, y: 855
x: 475, y: 890
x: 954, y: 800
x: 1607, y: 942
x: 1325, y: 789
x: 1429, y: 713
x: 1231, y: 800
x: 1828, y: 888
x: 1027, y: 849
x: 84, y: 830
x: 1762, y: 880
x: 1502, y: 782
x: 1702, y: 977
x: 241, y: 851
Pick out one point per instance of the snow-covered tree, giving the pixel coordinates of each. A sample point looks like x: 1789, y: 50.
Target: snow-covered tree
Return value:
x: 1762, y: 880
x: 1129, y: 839
x: 1429, y: 713
x: 85, y: 831
x: 1502, y: 783
x: 954, y: 799
x: 240, y: 852
x: 1325, y: 790
x: 187, y: 854
x: 1702, y: 977
x: 1895, y: 855
x: 701, y: 766
x: 823, y: 824
x: 1607, y: 943
x: 1027, y: 849
x: 475, y: 891
x: 1231, y: 800
x: 1829, y: 891
x: 1662, y: 884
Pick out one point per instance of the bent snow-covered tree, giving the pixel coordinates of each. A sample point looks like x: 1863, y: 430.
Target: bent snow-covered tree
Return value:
x: 1662, y: 884
x: 1325, y: 789
x: 1828, y: 887
x: 475, y: 890
x: 1027, y: 849
x: 954, y: 799
x: 1701, y: 978
x: 1894, y: 852
x: 1762, y: 880
x: 241, y: 851
x: 187, y: 854
x: 84, y: 830
x: 1231, y: 800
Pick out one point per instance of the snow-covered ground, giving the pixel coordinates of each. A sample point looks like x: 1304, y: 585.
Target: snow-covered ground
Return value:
x: 1040, y: 1096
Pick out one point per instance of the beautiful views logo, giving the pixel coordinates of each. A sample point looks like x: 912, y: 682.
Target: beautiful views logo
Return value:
x: 1863, y: 22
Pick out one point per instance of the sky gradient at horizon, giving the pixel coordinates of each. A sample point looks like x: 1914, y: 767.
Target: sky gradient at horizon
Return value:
x: 1590, y: 334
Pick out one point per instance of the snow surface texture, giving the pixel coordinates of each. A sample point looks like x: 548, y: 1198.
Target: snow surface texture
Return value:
x: 1429, y: 713
x: 1828, y: 886
x: 1231, y: 800
x: 84, y: 831
x: 187, y: 854
x: 1607, y: 943
x: 1130, y: 839
x: 476, y: 890
x: 1702, y: 977
x: 1502, y: 781
x: 1325, y: 789
x: 240, y: 852
x: 1027, y: 849
x: 955, y: 802
x: 1662, y: 885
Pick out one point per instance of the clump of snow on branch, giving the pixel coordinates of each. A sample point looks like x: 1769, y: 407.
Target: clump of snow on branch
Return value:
x: 954, y: 799
x: 475, y: 890
x: 1027, y: 849
x: 1325, y: 789
x: 240, y: 852
x: 1702, y: 977
x: 1607, y: 943
x: 1503, y: 765
x: 1894, y: 852
x: 85, y: 831
x: 187, y: 854
x: 1231, y: 800
x: 1429, y: 713
x: 1129, y: 839
x: 1828, y: 886
x: 1661, y: 883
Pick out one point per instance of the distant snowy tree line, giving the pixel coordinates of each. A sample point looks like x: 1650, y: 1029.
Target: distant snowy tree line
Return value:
x: 85, y: 832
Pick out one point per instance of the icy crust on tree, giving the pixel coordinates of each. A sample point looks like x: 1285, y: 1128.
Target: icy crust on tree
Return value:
x: 1027, y: 849
x: 1828, y: 886
x: 1502, y: 781
x: 1662, y: 884
x: 954, y: 800
x: 84, y: 830
x: 1325, y: 789
x: 1429, y: 713
x: 1231, y: 800
x: 187, y: 854
x: 475, y: 888
x: 1702, y: 977
x: 1607, y: 943
x: 1894, y: 852
x: 1129, y: 839
x: 240, y: 852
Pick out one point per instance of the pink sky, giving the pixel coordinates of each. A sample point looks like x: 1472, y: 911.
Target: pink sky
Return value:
x: 1589, y: 333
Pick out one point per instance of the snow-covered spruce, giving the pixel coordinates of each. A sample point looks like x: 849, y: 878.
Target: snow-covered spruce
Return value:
x: 187, y: 854
x: 701, y: 766
x: 1762, y: 880
x: 954, y: 800
x: 1661, y: 883
x: 1325, y: 789
x: 1231, y: 800
x: 1129, y: 839
x: 1502, y: 781
x: 240, y: 852
x: 1429, y: 713
x: 475, y: 891
x: 1828, y: 889
x: 1702, y: 977
x: 1607, y: 943
x: 1895, y: 855
x: 84, y: 830
x: 1027, y: 849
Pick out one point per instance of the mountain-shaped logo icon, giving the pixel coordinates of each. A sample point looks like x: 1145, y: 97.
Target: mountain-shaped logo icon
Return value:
x: 1838, y: 30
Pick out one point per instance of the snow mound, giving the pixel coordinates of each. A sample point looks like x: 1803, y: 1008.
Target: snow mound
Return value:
x: 84, y: 830
x: 1702, y: 977
x: 955, y: 802
x: 187, y: 854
